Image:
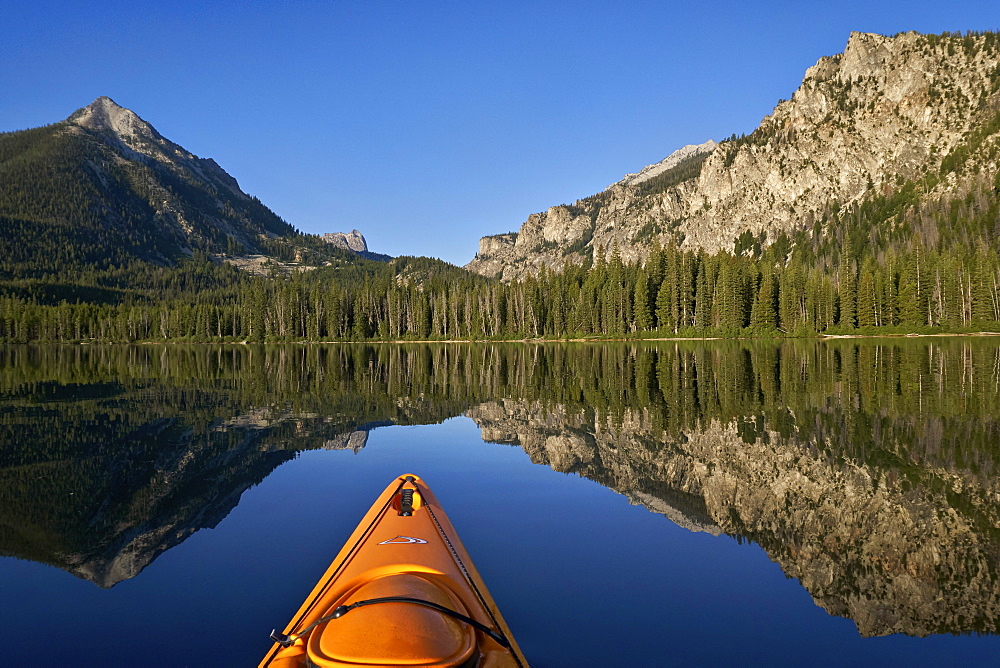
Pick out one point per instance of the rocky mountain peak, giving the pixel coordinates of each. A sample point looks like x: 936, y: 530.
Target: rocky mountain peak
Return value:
x: 885, y: 112
x: 104, y: 115
x: 145, y: 197
x: 136, y: 139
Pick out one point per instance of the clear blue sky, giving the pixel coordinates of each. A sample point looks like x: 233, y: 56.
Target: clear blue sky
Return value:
x: 429, y: 124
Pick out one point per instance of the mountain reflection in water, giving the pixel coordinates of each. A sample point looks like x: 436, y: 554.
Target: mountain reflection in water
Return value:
x: 866, y: 469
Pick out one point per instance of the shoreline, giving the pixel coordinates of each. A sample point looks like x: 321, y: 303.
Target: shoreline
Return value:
x: 818, y: 337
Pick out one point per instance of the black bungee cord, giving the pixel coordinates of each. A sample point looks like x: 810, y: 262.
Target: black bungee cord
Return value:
x: 340, y: 611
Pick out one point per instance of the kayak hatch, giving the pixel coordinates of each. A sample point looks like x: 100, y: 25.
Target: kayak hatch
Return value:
x: 401, y: 592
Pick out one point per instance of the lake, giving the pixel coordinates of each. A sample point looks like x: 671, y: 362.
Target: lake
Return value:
x: 699, y: 502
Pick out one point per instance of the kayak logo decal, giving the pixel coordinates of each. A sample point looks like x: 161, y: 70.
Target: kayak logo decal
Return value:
x: 404, y: 540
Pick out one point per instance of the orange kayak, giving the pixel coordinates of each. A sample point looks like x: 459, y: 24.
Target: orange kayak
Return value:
x: 402, y: 592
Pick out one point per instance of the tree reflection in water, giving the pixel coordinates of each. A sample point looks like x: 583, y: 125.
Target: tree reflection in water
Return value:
x: 867, y: 469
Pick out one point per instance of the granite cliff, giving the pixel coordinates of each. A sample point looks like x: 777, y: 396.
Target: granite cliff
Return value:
x: 886, y: 111
x: 353, y: 241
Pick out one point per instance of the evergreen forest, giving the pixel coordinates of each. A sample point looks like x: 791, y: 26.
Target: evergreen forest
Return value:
x: 84, y: 257
x: 786, y: 288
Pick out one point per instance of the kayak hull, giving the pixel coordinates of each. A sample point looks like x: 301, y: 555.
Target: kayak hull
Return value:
x: 406, y: 550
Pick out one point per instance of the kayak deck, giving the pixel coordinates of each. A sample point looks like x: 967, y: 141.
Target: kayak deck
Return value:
x: 402, y: 591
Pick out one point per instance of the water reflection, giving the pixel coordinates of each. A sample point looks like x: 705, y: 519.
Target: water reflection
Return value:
x: 867, y: 470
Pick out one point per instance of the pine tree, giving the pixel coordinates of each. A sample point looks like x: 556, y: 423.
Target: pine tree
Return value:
x: 643, y: 308
x: 848, y: 296
x: 867, y: 297
x: 704, y: 290
x: 985, y: 295
x: 791, y: 298
x: 764, y: 314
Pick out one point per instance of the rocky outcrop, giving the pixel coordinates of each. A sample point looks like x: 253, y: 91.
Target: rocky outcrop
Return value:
x: 353, y: 241
x: 885, y: 111
x: 912, y: 550
x: 495, y: 253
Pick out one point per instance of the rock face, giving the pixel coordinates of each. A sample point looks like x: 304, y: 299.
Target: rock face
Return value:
x: 140, y: 140
x: 355, y: 243
x: 352, y: 242
x: 672, y: 161
x: 887, y: 110
x: 495, y: 253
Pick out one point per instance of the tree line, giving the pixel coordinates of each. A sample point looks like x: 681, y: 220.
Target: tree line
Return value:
x: 677, y: 292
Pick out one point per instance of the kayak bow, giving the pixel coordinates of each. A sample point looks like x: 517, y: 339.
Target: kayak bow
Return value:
x: 402, y: 592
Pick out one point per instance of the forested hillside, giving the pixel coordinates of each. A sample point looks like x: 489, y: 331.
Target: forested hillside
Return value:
x: 91, y: 208
x: 104, y: 189
x: 112, y: 233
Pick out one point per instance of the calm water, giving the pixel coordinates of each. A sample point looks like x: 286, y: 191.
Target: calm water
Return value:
x: 700, y: 502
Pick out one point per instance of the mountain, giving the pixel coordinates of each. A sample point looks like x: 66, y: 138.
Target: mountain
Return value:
x: 104, y: 189
x: 895, y: 132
